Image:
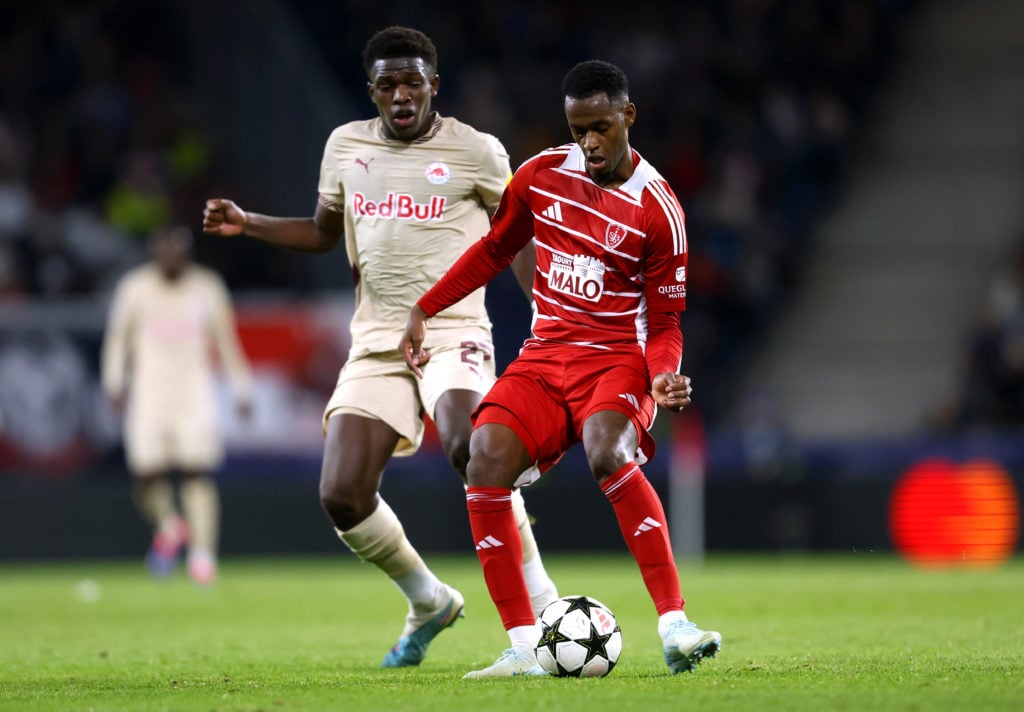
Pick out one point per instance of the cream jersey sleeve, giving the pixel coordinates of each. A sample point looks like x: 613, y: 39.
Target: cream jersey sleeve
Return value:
x: 495, y: 172
x: 225, y: 336
x: 331, y: 187
x: 116, y: 350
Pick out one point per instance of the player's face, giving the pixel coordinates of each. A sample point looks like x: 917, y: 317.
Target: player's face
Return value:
x: 601, y: 128
x: 170, y: 252
x: 402, y: 90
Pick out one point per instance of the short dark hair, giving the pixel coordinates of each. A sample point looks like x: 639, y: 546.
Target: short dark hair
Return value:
x: 594, y: 77
x: 395, y: 42
x: 172, y: 233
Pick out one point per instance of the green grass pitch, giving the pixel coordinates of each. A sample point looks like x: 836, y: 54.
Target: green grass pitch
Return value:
x: 861, y: 632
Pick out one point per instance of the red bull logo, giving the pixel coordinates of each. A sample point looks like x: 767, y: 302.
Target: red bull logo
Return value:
x: 398, y: 206
x: 438, y: 172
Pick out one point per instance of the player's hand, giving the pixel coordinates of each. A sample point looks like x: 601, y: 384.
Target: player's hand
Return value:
x: 117, y: 403
x: 411, y: 345
x: 222, y: 217
x: 671, y: 390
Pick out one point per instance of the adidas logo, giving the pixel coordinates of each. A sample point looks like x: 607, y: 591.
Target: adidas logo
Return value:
x: 553, y: 211
x: 631, y: 399
x: 645, y: 526
x: 489, y: 542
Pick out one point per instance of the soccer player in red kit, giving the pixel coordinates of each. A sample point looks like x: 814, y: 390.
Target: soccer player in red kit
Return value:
x: 609, y: 285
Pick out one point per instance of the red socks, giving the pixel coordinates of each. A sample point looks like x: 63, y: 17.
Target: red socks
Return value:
x: 644, y: 527
x: 501, y: 552
x: 641, y: 519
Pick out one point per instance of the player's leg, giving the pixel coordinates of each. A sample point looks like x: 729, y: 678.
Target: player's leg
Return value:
x: 452, y: 417
x: 194, y: 446
x: 610, y: 439
x: 200, y: 501
x: 154, y: 498
x: 520, y: 423
x: 356, y: 450
x: 497, y: 457
x: 149, y: 463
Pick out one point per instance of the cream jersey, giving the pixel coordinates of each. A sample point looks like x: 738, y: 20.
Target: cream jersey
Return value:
x: 161, y: 335
x: 411, y: 210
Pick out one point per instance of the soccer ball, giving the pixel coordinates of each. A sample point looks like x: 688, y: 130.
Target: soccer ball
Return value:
x: 580, y: 638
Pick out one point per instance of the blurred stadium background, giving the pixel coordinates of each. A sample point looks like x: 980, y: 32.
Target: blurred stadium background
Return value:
x: 853, y: 176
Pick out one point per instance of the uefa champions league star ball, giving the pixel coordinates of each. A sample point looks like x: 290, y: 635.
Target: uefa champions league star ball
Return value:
x: 580, y: 638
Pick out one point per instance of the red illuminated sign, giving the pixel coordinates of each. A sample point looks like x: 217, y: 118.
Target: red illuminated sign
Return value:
x: 946, y: 514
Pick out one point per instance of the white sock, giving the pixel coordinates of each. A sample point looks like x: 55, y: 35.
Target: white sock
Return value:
x: 537, y: 580
x: 201, y: 502
x: 422, y: 588
x: 538, y: 583
x: 523, y: 525
x: 667, y: 619
x: 525, y: 637
x: 380, y: 540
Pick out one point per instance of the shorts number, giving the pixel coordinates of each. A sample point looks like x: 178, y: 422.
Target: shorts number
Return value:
x: 474, y: 353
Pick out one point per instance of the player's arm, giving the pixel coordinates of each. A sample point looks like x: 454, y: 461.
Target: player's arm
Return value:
x: 114, y: 355
x: 319, y: 233
x: 665, y: 258
x: 229, y: 348
x: 524, y: 266
x: 664, y: 353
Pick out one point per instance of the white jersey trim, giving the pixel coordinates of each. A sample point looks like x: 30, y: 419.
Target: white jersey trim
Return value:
x: 577, y: 310
x: 586, y: 178
x: 673, y: 214
x: 542, y: 340
x: 557, y: 151
x: 583, y: 236
x: 585, y: 208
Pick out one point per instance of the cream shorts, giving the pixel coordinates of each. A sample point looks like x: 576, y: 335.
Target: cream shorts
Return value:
x: 158, y: 442
x: 381, y: 386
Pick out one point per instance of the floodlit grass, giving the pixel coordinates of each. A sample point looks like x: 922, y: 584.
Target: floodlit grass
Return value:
x: 855, y: 633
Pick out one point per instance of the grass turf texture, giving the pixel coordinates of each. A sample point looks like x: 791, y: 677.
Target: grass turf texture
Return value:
x: 853, y: 633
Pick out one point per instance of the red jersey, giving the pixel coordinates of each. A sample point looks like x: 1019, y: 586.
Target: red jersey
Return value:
x: 606, y: 258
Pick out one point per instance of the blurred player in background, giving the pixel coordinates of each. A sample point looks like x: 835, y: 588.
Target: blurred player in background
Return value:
x: 610, y: 283
x: 157, y: 356
x: 410, y: 191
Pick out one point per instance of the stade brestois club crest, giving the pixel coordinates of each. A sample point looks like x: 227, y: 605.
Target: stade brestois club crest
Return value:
x: 615, y: 234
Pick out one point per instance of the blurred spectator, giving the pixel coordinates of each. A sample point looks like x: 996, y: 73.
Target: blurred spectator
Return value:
x: 92, y: 141
x: 993, y: 385
x: 139, y: 203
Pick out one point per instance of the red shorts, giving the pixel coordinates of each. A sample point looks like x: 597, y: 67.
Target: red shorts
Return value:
x: 549, y: 391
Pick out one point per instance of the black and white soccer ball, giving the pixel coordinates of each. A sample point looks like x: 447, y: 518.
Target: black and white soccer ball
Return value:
x: 580, y: 638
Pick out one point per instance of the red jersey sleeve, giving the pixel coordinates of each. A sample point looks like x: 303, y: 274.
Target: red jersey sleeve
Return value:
x: 664, y: 348
x: 664, y: 277
x: 511, y: 229
x: 664, y: 249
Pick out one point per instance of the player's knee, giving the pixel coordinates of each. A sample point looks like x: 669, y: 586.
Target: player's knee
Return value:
x: 604, y: 462
x: 488, y: 469
x: 345, y: 507
x: 496, y: 457
x: 456, y: 447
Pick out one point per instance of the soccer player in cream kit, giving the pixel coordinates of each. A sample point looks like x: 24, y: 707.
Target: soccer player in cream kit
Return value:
x: 166, y: 318
x: 610, y: 282
x: 410, y: 191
